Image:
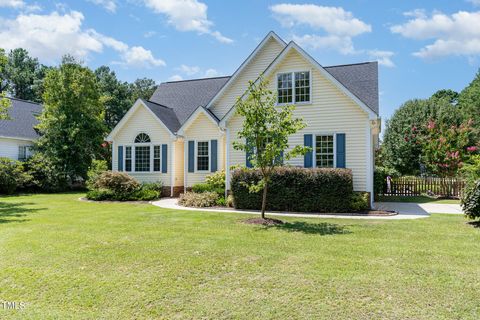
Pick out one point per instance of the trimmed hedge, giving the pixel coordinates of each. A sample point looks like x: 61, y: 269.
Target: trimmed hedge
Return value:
x: 199, y: 200
x: 296, y: 189
x: 471, y: 201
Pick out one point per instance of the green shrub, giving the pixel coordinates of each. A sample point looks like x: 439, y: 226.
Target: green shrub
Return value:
x: 230, y: 201
x: 96, y: 169
x: 360, y: 201
x: 221, y: 202
x: 471, y: 170
x: 100, y: 195
x: 153, y: 186
x: 296, y: 189
x: 199, y: 200
x: 45, y: 175
x: 216, y: 180
x: 119, y: 183
x: 12, y: 176
x: 471, y: 201
x: 204, y: 187
x: 380, y: 180
x: 144, y: 195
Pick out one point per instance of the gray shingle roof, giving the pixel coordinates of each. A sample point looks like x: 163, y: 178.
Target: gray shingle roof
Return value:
x: 361, y: 79
x: 173, y: 102
x: 184, y: 97
x: 22, y: 114
x: 165, y: 114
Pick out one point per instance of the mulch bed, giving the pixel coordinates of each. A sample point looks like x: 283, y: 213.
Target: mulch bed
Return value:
x: 263, y: 222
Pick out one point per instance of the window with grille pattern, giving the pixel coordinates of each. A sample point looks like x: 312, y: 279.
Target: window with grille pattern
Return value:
x: 128, y: 159
x: 156, y: 158
x: 302, y: 86
x: 142, y: 138
x: 324, y: 151
x: 202, y: 156
x: 284, y: 88
x: 142, y: 158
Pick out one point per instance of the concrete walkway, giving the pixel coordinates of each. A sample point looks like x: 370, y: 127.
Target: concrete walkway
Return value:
x: 405, y: 210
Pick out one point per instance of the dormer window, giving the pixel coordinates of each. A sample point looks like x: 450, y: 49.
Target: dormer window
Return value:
x: 293, y: 87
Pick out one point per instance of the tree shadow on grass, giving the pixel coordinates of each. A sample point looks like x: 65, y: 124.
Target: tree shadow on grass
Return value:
x: 322, y: 228
x: 15, y: 212
x: 475, y: 224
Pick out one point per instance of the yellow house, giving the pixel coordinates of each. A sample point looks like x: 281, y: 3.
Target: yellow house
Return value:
x: 187, y: 128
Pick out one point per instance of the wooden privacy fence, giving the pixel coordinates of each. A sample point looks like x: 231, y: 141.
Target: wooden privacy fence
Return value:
x: 416, y: 186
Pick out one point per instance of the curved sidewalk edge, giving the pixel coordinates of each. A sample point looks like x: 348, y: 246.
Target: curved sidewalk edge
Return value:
x: 172, y: 203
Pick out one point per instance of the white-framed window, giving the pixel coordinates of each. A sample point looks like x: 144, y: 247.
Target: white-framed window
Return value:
x: 325, y: 151
x: 24, y: 152
x: 203, y: 155
x: 142, y: 155
x: 156, y: 158
x: 128, y: 158
x: 142, y: 158
x: 294, y: 87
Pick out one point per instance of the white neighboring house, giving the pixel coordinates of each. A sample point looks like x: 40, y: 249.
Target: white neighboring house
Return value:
x: 18, y: 134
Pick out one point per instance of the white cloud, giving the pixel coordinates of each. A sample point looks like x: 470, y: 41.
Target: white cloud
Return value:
x: 12, y: 3
x: 339, y: 26
x: 333, y: 20
x: 149, y: 34
x: 189, y: 70
x: 474, y: 2
x: 211, y: 73
x: 457, y: 34
x: 140, y: 57
x: 175, y: 77
x: 416, y: 13
x: 187, y: 15
x: 50, y: 36
x: 384, y: 58
x: 344, y: 45
x: 108, y: 5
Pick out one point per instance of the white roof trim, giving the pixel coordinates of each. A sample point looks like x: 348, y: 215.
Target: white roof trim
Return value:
x: 292, y: 45
x: 129, y: 114
x: 17, y: 138
x: 194, y: 116
x: 270, y: 35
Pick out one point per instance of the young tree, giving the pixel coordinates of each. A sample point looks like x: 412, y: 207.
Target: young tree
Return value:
x: 266, y: 129
x: 71, y: 124
x: 142, y: 88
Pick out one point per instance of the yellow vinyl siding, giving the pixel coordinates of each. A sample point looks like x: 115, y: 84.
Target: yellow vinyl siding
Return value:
x: 251, y: 72
x: 203, y: 129
x: 143, y: 121
x: 330, y: 111
x: 179, y: 165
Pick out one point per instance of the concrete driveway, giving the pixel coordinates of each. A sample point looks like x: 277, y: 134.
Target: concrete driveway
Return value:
x: 419, y: 208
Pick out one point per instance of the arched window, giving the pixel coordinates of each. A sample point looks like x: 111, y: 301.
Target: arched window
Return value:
x: 142, y: 138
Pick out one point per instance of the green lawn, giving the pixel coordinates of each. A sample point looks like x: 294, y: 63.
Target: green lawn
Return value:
x: 70, y: 259
x: 417, y: 199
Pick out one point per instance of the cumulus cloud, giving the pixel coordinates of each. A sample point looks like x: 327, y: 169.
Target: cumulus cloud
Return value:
x: 384, y: 58
x: 19, y: 4
x: 209, y: 73
x: 50, y: 36
x: 187, y: 15
x: 189, y: 70
x: 338, y: 26
x: 109, y: 5
x: 474, y: 2
x: 175, y: 77
x: 457, y: 34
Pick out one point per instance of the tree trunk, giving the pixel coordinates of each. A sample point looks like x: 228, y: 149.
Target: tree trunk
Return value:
x: 264, y: 200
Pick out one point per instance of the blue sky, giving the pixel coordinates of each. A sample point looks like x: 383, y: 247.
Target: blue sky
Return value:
x: 422, y: 46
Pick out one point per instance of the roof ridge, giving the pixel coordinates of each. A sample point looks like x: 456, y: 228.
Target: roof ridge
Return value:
x: 198, y: 79
x: 158, y: 104
x: 349, y: 64
x: 28, y: 101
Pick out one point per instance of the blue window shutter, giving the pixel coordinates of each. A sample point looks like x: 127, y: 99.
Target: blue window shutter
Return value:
x: 340, y: 150
x: 248, y: 154
x: 164, y: 158
x: 213, y: 160
x: 120, y: 158
x: 191, y: 156
x: 308, y: 157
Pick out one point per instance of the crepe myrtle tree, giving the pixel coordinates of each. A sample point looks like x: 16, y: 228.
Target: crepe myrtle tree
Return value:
x: 265, y: 131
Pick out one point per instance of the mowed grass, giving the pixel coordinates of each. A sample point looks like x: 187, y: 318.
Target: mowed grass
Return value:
x: 68, y: 259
